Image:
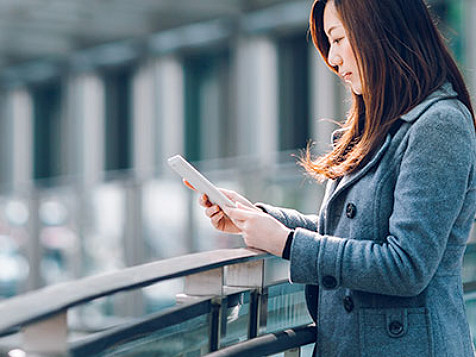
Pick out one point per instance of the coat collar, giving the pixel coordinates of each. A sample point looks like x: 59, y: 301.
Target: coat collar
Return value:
x: 446, y: 91
x: 348, y: 180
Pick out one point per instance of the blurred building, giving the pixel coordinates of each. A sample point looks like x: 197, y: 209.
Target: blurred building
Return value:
x: 96, y: 95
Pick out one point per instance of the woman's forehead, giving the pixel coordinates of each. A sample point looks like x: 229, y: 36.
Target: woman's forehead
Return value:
x: 331, y: 19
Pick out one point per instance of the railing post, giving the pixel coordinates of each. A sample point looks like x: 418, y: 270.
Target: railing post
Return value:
x: 245, y: 275
x: 257, y: 275
x: 215, y: 324
x: 47, y: 337
x: 207, y: 283
x: 251, y: 275
x: 258, y: 312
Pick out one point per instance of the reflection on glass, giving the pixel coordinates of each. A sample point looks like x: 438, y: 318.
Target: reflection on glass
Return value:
x: 189, y: 338
x: 236, y: 319
x: 286, y: 307
x: 305, y: 351
x: 95, y: 316
x: 162, y: 295
x: 469, y: 263
x: 469, y: 274
x: 471, y: 314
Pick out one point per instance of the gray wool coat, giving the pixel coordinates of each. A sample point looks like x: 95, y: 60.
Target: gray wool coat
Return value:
x: 383, y: 259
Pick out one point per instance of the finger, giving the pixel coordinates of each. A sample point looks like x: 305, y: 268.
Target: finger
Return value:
x: 231, y: 216
x: 244, y: 207
x: 217, y: 218
x: 239, y: 214
x: 213, y: 210
x: 204, y: 201
x: 188, y: 184
x: 228, y: 193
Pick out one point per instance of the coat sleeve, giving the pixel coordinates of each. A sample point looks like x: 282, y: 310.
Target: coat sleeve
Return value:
x: 432, y: 183
x: 291, y: 218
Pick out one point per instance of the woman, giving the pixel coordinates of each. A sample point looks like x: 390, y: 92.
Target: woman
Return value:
x: 383, y: 259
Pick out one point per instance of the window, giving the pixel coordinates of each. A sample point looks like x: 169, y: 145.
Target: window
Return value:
x: 293, y: 100
x: 209, y: 131
x: 118, y: 133
x: 47, y: 130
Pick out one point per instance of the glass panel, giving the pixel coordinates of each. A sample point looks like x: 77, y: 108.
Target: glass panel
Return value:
x: 189, y: 338
x: 94, y: 316
x: 237, y: 315
x: 286, y: 307
x: 469, y: 274
x: 162, y: 295
x: 306, y: 351
x: 113, y: 310
x: 469, y: 263
x: 471, y: 313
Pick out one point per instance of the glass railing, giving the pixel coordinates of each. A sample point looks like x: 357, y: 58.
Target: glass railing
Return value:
x: 232, y: 302
x: 227, y: 297
x: 469, y: 278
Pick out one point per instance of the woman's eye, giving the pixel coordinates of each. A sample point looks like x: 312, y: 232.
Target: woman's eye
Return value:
x: 337, y: 40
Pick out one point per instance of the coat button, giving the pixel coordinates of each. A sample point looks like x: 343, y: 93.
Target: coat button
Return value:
x: 350, y: 210
x: 329, y: 282
x: 395, y: 328
x: 348, y: 303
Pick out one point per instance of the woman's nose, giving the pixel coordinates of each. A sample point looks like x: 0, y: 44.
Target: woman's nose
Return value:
x: 334, y: 59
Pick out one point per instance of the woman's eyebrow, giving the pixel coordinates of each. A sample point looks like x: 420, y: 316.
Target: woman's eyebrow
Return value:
x: 332, y: 28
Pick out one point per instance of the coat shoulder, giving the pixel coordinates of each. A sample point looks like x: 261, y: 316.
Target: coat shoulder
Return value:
x: 447, y: 118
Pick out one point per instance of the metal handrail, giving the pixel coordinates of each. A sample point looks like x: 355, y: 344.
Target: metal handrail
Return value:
x: 270, y: 343
x: 43, y: 303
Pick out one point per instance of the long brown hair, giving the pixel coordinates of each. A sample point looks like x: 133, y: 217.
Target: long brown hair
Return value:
x: 402, y: 58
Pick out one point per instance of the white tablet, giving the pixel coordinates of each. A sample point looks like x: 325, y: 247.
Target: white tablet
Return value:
x: 197, y: 180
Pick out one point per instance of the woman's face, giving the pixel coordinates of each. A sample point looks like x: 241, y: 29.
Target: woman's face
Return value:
x: 341, y: 54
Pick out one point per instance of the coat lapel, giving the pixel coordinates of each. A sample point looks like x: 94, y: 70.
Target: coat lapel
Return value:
x: 445, y: 92
x: 348, y: 180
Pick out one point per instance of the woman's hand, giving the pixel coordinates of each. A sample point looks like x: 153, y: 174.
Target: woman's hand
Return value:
x: 259, y: 230
x: 218, y: 218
